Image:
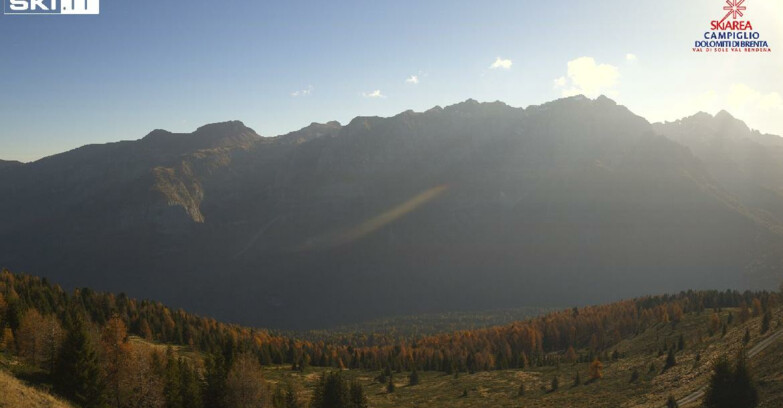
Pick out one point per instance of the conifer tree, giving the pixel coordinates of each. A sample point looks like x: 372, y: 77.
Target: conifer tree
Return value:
x: 214, y: 381
x: 671, y: 360
x: 744, y: 388
x: 77, y: 372
x: 190, y: 389
x: 331, y: 392
x: 172, y: 382
x: 746, y: 337
x: 730, y: 387
x: 357, y: 397
x: 765, y: 321
x: 414, y: 378
x: 390, y: 386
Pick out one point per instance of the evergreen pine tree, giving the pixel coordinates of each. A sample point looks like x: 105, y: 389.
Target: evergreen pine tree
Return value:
x: 731, y: 388
x: 190, y: 389
x: 172, y: 381
x: 77, y: 374
x: 414, y: 378
x: 745, y: 391
x: 357, y: 397
x: 214, y: 381
x: 671, y: 360
x: 746, y: 338
x: 390, y: 386
x: 332, y: 392
x: 634, y: 376
x: 765, y: 321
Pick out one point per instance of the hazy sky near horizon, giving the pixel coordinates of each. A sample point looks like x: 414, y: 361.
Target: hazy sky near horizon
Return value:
x: 66, y: 81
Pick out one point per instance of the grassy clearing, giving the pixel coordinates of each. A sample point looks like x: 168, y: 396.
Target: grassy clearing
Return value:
x: 16, y: 394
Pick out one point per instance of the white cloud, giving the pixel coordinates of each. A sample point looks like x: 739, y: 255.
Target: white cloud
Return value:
x: 501, y: 63
x: 413, y: 79
x: 741, y: 96
x: 630, y: 58
x: 588, y: 78
x: 303, y: 92
x: 374, y: 94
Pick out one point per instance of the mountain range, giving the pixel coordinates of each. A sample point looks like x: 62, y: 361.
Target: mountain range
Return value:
x: 469, y: 207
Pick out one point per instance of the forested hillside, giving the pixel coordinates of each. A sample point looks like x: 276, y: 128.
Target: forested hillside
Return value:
x: 97, y: 348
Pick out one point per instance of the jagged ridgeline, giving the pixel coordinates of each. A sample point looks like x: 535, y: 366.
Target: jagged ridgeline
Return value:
x: 474, y: 206
x: 29, y: 303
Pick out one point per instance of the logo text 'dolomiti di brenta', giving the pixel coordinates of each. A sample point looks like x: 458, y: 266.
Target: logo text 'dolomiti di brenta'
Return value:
x: 732, y: 33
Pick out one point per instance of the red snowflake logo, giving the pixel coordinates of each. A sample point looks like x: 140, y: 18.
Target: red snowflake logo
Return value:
x: 735, y: 8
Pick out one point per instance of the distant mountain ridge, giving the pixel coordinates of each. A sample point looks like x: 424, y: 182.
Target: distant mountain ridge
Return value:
x: 471, y: 206
x: 6, y: 163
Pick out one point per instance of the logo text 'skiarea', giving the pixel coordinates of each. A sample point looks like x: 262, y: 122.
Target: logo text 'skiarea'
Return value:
x: 51, y: 6
x: 732, y: 33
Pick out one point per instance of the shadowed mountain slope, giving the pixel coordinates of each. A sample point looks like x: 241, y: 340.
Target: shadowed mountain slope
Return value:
x: 472, y: 206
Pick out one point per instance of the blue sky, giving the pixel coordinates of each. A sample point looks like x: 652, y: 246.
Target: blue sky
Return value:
x: 66, y: 81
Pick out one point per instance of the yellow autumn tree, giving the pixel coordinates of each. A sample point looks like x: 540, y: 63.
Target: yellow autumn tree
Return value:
x: 8, y: 342
x: 596, y: 368
x: 116, y: 352
x: 570, y: 355
x: 245, y: 385
x: 39, y: 338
